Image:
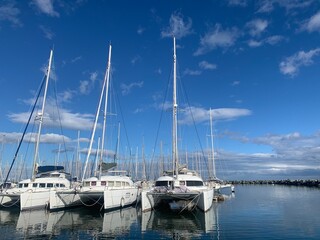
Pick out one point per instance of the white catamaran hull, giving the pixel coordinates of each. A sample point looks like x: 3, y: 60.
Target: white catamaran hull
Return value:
x: 39, y: 198
x: 33, y: 199
x: 177, y: 201
x: 119, y: 198
x: 205, y: 201
x: 64, y: 199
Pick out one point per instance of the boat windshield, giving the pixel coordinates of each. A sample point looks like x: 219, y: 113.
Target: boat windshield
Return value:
x: 194, y: 183
x: 163, y: 183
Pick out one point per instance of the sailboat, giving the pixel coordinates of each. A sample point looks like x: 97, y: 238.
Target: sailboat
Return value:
x: 180, y: 189
x: 214, y: 182
x: 35, y: 192
x: 113, y: 189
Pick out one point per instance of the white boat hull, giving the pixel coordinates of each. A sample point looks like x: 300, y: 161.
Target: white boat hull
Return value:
x: 34, y: 199
x: 206, y: 199
x: 177, y: 201
x: 64, y: 199
x: 119, y: 198
x: 147, y: 201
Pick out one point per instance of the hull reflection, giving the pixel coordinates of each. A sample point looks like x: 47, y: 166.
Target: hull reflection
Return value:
x: 188, y: 224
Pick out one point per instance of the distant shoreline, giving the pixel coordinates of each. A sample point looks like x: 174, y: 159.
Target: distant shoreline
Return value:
x: 287, y: 182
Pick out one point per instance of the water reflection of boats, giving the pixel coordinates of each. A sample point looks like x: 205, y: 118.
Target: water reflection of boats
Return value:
x: 118, y: 223
x: 8, y: 219
x: 189, y: 224
x: 8, y: 216
x: 37, y: 223
x: 45, y: 224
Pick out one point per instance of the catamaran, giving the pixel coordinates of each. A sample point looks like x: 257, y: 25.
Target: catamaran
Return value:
x: 35, y: 192
x: 180, y: 189
x: 108, y: 189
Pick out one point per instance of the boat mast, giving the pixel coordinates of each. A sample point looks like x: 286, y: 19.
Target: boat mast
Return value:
x: 212, y: 149
x: 95, y: 124
x: 78, y: 156
x: 174, y: 113
x: 107, y: 77
x: 36, y: 151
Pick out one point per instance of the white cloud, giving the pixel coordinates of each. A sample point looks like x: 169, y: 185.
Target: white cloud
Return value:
x: 235, y: 83
x: 140, y: 30
x: 87, y: 85
x: 138, y: 110
x: 64, y: 118
x: 254, y: 43
x: 47, y: 32
x: 241, y: 3
x: 177, y: 26
x: 76, y: 59
x: 135, y: 59
x: 84, y: 87
x: 257, y: 27
x: 207, y: 66
x: 290, y: 66
x: 126, y: 89
x: 66, y: 96
x: 291, y: 155
x: 313, y: 24
x: 217, y: 37
x: 93, y: 76
x: 272, y: 40
x: 192, y: 72
x: 46, y: 6
x: 266, y: 6
x: 198, y: 114
x: 50, y: 138
x: 8, y: 12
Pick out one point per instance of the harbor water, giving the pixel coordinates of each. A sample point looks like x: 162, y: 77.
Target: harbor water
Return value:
x: 252, y: 212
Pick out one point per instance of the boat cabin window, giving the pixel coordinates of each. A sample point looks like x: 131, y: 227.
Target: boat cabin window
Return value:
x: 127, y: 184
x: 103, y: 183
x: 49, y: 185
x: 62, y: 185
x: 110, y: 183
x: 118, y: 184
x: 42, y: 185
x: 86, y: 184
x: 20, y: 185
x: 93, y: 183
x: 163, y: 183
x: 194, y: 183
x: 182, y: 183
x: 35, y: 185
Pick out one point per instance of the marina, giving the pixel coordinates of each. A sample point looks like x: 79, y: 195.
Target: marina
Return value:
x: 159, y: 119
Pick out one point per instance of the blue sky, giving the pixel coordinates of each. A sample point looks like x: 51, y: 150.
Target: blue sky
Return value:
x: 254, y: 63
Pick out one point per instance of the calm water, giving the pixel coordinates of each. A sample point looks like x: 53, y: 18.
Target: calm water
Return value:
x: 253, y: 212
